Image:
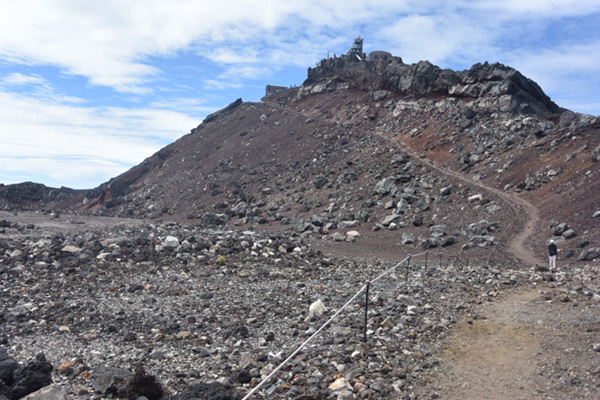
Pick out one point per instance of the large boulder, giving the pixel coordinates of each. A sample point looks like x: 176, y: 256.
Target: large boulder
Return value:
x: 348, y: 224
x: 559, y: 229
x: 402, y: 206
x: 34, y: 376
x: 8, y: 366
x: 391, y: 219
x: 119, y: 382
x: 408, y: 237
x: 212, y: 219
x: 52, y: 392
x: 110, y: 380
x: 438, y: 230
x: 480, y: 241
x: 429, y: 243
x: 589, y: 254
x: 479, y: 228
x: 449, y: 241
x: 386, y: 186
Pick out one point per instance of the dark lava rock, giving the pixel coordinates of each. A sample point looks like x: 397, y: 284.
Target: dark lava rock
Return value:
x: 8, y: 366
x: 212, y: 219
x: 145, y: 385
x: 240, y: 376
x: 207, y: 391
x: 239, y: 332
x: 32, y: 377
x: 110, y: 380
x: 121, y: 382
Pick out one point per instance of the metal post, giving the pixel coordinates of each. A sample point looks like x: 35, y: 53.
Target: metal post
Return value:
x: 440, y: 260
x: 366, y: 308
x: 426, y: 252
x: 407, y: 268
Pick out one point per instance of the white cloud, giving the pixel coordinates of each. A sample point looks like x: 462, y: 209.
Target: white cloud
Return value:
x: 73, y: 173
x: 539, y: 8
x: 232, y: 56
x: 217, y: 84
x: 185, y: 105
x: 21, y: 79
x: 37, y: 85
x: 451, y: 38
x: 45, y: 137
x: 109, y: 41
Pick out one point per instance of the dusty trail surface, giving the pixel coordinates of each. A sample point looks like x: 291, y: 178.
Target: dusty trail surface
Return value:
x: 523, y: 211
x: 530, y: 344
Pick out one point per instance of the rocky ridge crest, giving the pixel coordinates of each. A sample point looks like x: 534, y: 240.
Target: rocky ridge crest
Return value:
x: 501, y: 87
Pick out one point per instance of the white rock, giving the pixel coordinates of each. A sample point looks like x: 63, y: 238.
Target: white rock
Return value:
x: 15, y: 254
x: 317, y: 309
x: 475, y: 197
x: 71, y: 249
x: 171, y: 241
x: 339, y: 385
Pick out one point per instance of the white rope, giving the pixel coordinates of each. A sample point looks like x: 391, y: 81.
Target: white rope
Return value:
x: 303, y: 345
x: 291, y: 356
x: 389, y: 271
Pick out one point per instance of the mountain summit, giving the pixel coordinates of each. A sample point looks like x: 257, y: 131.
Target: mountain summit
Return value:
x: 494, y: 85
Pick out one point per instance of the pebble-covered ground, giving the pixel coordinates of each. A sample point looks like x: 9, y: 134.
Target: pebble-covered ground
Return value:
x: 208, y: 314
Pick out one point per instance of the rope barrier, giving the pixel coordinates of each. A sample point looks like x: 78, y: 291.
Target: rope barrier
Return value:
x: 389, y: 271
x: 303, y: 345
x: 330, y: 320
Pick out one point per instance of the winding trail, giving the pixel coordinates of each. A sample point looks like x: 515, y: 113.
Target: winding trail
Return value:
x: 523, y: 210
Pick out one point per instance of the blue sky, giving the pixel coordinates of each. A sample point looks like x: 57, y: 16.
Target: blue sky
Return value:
x: 90, y: 88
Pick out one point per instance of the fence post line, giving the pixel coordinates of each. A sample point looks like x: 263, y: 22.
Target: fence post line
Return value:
x: 426, y: 252
x: 407, y: 268
x: 366, y: 309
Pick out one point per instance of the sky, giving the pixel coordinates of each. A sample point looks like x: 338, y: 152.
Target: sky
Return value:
x: 90, y: 88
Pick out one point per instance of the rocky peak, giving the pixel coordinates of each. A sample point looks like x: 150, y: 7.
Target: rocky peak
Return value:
x: 502, y: 87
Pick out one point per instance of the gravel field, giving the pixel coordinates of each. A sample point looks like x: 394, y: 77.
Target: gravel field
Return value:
x: 208, y: 314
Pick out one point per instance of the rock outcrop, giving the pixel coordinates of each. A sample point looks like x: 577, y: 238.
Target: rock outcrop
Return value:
x: 505, y: 88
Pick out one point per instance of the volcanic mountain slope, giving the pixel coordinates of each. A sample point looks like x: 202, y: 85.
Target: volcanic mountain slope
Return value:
x: 397, y: 152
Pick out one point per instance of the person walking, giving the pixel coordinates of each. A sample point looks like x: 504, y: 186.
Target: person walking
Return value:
x: 552, y: 252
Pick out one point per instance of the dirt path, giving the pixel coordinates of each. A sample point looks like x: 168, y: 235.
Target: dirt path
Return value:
x: 494, y: 357
x: 523, y: 210
x: 536, y: 343
x: 518, y: 244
